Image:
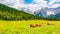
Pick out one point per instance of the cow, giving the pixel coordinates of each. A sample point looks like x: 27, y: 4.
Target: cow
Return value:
x: 32, y: 25
x: 35, y: 25
x: 50, y: 24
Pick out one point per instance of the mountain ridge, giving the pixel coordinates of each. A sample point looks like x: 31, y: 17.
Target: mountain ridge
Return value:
x: 45, y: 12
x: 7, y: 13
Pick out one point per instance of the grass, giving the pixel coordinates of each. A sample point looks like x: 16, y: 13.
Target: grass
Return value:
x: 23, y: 27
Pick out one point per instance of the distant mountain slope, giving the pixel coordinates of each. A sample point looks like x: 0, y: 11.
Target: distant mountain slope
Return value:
x: 49, y: 13
x: 45, y: 12
x: 7, y: 13
x: 58, y: 15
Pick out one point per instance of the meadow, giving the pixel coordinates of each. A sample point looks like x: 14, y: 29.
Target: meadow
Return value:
x: 23, y: 27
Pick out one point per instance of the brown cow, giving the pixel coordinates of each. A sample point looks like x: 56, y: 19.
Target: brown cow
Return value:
x: 38, y: 25
x: 50, y: 24
x: 35, y: 25
x: 32, y: 25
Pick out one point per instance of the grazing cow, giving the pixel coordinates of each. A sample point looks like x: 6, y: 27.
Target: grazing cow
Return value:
x: 38, y: 25
x: 35, y: 25
x: 50, y: 24
x: 32, y: 25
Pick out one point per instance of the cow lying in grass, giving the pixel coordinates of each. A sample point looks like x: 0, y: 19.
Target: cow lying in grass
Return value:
x: 39, y: 25
x: 35, y: 25
x: 50, y: 24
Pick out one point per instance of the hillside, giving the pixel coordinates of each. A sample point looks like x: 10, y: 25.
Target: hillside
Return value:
x: 8, y: 13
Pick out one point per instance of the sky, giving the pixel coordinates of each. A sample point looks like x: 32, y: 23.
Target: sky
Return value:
x: 31, y: 6
x: 28, y: 1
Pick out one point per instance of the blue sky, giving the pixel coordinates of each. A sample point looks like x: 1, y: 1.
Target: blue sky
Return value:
x: 55, y: 2
x: 47, y: 1
x: 28, y: 1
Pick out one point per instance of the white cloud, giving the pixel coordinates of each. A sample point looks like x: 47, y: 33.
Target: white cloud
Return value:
x: 54, y: 3
x: 30, y: 8
x: 50, y: 13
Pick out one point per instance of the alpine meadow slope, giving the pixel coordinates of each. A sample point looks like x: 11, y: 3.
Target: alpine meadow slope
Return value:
x: 7, y: 13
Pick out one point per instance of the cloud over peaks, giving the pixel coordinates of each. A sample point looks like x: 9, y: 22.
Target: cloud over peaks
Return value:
x: 31, y: 6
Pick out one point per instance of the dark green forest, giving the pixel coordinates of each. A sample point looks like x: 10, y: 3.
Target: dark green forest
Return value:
x: 7, y: 13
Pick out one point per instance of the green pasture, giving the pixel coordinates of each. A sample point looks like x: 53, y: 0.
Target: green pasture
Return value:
x: 23, y: 27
